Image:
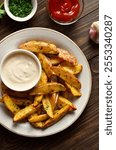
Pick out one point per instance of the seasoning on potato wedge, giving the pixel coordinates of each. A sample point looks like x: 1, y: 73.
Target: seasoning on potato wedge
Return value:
x: 56, y: 60
x: 39, y: 47
x: 67, y: 76
x: 47, y: 106
x: 73, y: 90
x: 12, y: 107
x: 38, y: 118
x: 43, y: 79
x: 63, y: 102
x: 46, y: 64
x: 48, y: 88
x: 73, y: 69
x: 57, y: 116
x: 25, y: 112
x: 37, y: 99
x: 38, y: 124
x: 65, y: 55
x: 53, y: 100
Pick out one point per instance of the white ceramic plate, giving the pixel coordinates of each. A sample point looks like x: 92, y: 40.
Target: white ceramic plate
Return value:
x: 10, y: 43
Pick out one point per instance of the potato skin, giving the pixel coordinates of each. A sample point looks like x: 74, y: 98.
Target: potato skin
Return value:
x: 73, y: 69
x: 48, y: 88
x: 38, y: 118
x: 65, y: 55
x: 73, y: 90
x: 57, y: 116
x: 12, y: 107
x: 46, y: 64
x: 47, y: 106
x: 63, y: 102
x: 39, y: 47
x: 25, y: 112
x: 67, y: 76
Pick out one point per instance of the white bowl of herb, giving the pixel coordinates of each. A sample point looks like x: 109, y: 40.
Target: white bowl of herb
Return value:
x: 20, y: 10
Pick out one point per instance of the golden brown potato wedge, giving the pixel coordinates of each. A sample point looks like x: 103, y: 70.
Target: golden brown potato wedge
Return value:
x: 53, y: 100
x: 73, y: 90
x: 67, y: 76
x: 73, y: 69
x: 48, y: 88
x: 63, y: 102
x: 65, y: 55
x: 46, y: 64
x: 57, y: 116
x: 39, y: 47
x: 47, y: 106
x: 38, y: 124
x: 25, y: 112
x: 12, y: 107
x: 43, y: 79
x: 38, y: 118
x: 55, y: 60
x: 37, y: 99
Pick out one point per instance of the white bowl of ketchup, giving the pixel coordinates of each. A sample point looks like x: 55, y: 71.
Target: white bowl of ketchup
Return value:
x: 65, y: 12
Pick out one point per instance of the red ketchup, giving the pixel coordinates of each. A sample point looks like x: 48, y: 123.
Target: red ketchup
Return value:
x: 64, y: 10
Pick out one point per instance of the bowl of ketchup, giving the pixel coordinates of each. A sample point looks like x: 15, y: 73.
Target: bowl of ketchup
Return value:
x: 65, y: 12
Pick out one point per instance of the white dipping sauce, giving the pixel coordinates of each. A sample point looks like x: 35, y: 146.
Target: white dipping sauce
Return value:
x: 20, y: 71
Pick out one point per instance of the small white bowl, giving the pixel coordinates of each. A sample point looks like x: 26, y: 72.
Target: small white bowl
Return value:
x: 19, y: 19
x: 20, y: 70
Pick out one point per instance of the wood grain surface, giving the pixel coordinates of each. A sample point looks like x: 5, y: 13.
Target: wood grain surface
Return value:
x: 83, y: 134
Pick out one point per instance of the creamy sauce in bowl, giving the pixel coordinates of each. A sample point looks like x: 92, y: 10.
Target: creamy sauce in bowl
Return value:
x: 20, y: 70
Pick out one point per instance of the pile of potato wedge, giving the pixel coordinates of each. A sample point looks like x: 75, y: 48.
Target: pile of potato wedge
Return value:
x: 51, y: 98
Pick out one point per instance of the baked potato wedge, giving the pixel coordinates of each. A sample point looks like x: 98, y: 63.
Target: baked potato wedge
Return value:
x: 43, y: 79
x: 65, y: 55
x: 46, y: 64
x: 47, y: 106
x: 38, y: 118
x: 63, y: 102
x: 48, y: 88
x: 73, y: 69
x: 73, y: 90
x: 38, y: 124
x: 53, y: 100
x: 67, y: 76
x: 12, y: 107
x: 57, y: 116
x: 25, y: 112
x: 55, y: 60
x: 37, y: 99
x: 39, y: 47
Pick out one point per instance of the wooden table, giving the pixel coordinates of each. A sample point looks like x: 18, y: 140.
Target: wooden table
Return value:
x: 83, y: 134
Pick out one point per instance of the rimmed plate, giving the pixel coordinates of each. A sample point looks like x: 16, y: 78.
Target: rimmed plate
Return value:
x: 10, y: 43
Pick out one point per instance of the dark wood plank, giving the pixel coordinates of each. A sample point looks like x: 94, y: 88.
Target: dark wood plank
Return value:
x: 89, y: 6
x: 83, y: 134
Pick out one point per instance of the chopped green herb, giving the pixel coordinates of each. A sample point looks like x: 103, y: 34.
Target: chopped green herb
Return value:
x: 20, y: 8
x: 2, y: 11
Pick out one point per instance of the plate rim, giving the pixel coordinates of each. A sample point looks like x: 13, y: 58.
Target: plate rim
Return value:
x: 90, y: 77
